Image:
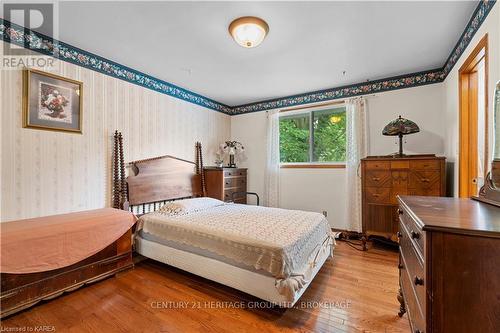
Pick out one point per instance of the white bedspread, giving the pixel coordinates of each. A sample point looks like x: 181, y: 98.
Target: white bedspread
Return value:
x: 282, y: 242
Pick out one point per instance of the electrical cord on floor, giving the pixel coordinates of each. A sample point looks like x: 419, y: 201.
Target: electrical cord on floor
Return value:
x: 386, y: 242
x: 352, y: 244
x: 343, y: 237
x: 348, y: 238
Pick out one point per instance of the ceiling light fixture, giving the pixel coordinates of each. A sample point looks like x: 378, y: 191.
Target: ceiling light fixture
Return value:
x: 248, y: 31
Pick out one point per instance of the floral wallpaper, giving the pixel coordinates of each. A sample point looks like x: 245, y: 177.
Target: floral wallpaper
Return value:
x: 15, y: 34
x: 46, y: 172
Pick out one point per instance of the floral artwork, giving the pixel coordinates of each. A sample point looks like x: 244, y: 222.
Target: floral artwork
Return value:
x: 52, y: 102
x: 55, y: 103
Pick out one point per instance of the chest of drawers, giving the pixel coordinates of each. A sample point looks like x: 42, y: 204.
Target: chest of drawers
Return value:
x: 449, y: 264
x: 384, y: 178
x: 221, y: 183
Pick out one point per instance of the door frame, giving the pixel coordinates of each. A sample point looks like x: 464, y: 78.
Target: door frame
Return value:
x: 468, y: 117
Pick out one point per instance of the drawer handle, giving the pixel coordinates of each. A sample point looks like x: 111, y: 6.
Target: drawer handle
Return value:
x: 424, y: 180
x: 400, y: 266
x: 415, y: 235
x: 227, y: 183
x: 375, y: 179
x: 418, y: 281
x: 400, y: 211
x: 399, y: 234
x: 376, y: 195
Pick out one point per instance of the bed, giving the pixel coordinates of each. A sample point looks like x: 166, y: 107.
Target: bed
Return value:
x: 270, y: 253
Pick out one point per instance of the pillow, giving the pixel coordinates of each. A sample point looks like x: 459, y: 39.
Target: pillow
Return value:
x: 186, y: 206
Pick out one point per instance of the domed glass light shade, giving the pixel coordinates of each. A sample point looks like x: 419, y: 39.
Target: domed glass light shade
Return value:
x: 248, y: 31
x: 400, y: 127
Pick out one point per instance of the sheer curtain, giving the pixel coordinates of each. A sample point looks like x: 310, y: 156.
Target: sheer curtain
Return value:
x: 356, y: 149
x: 272, y: 175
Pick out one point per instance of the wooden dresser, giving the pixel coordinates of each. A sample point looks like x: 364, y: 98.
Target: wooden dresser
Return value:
x: 383, y: 178
x: 449, y: 269
x: 221, y: 183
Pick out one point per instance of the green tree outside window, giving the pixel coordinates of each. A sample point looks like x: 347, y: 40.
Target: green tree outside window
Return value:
x: 314, y: 136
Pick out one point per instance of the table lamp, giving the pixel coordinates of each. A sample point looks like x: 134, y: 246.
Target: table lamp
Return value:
x: 400, y: 127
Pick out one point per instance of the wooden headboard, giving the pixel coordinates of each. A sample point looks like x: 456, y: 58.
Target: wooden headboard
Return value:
x: 154, y: 181
x: 162, y: 178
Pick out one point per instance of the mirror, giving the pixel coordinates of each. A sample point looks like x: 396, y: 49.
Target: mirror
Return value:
x: 490, y: 192
x: 495, y: 166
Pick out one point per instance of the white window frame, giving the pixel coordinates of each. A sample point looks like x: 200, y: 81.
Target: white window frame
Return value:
x: 311, y: 164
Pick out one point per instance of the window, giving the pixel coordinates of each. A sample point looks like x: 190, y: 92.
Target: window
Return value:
x: 315, y: 136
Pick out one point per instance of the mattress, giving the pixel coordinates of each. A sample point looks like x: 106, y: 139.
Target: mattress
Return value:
x: 259, y: 285
x: 198, y: 251
x: 282, y: 243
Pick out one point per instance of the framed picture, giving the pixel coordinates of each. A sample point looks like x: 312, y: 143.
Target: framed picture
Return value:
x: 52, y: 102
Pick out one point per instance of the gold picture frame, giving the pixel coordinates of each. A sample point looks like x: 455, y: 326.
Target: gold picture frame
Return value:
x: 52, y: 102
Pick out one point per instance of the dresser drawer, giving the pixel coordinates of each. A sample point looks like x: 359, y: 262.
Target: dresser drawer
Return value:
x: 425, y: 180
x: 397, y: 191
x: 395, y: 165
x: 378, y: 195
x: 426, y: 192
x: 416, y: 314
x: 413, y: 230
x: 228, y: 194
x: 413, y: 264
x: 425, y: 165
x: 378, y: 165
x: 378, y: 178
x: 235, y: 173
x: 230, y: 182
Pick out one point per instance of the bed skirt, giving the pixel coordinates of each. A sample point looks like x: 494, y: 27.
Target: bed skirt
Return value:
x: 250, y: 282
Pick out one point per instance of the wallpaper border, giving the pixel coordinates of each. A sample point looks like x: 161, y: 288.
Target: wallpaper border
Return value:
x: 34, y: 41
x: 370, y: 87
x: 40, y: 43
x: 403, y: 81
x: 480, y: 13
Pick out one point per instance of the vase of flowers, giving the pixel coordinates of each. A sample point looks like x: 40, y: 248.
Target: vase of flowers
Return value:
x: 233, y: 148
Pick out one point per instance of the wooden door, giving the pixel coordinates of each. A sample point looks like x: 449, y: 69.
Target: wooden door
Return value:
x: 473, y: 119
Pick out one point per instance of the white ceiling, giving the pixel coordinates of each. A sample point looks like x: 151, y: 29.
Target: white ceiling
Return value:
x: 308, y: 47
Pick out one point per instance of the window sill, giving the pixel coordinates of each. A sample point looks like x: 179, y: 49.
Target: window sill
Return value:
x: 313, y: 166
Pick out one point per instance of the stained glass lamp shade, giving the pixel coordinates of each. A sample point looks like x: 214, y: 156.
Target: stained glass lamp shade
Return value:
x: 400, y: 127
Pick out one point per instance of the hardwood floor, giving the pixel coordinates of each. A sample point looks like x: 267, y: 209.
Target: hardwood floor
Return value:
x: 354, y: 292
